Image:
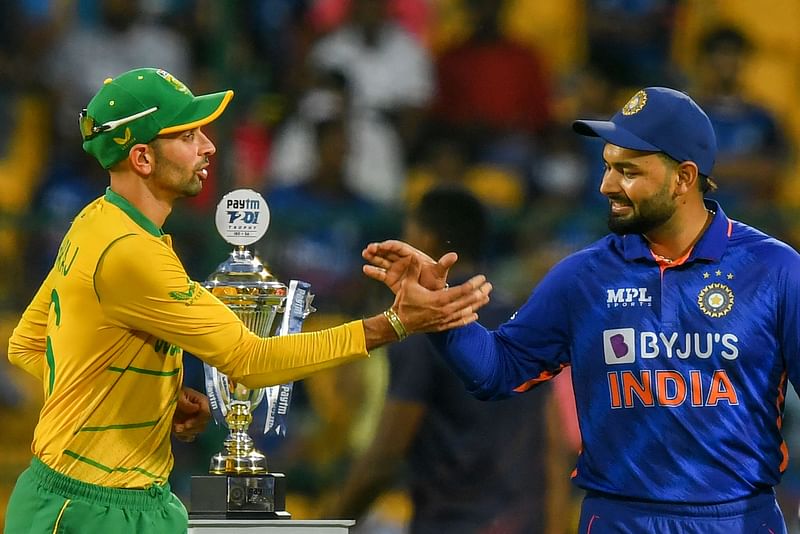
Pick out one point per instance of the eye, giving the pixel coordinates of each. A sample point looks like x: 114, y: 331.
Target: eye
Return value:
x: 627, y: 173
x: 188, y: 135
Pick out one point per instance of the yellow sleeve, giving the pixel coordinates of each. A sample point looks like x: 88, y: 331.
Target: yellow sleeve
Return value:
x: 28, y: 342
x: 141, y: 285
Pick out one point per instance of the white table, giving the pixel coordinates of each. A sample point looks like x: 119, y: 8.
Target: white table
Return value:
x: 270, y: 526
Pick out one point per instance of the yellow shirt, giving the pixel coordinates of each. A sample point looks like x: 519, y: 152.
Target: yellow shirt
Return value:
x: 106, y: 333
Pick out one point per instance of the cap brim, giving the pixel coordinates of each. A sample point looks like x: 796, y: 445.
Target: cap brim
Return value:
x: 203, y: 110
x: 614, y: 134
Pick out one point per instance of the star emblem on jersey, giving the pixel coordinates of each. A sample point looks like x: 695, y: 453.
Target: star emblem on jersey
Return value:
x: 635, y: 104
x: 716, y: 300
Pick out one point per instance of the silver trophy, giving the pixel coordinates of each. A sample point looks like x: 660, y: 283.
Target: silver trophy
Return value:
x: 241, y: 485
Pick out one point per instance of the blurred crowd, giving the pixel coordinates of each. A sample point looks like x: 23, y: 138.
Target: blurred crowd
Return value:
x: 346, y: 112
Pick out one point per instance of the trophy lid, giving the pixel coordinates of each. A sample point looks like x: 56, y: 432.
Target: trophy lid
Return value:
x: 243, y: 277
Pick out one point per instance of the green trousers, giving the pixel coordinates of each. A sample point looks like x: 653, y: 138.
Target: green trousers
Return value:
x: 45, y: 501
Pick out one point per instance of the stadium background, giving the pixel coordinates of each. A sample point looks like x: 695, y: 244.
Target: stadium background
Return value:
x: 341, y: 141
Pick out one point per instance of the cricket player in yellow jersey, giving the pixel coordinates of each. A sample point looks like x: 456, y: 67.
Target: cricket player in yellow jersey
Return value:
x: 107, y: 329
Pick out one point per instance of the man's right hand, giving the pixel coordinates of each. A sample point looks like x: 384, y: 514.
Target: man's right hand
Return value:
x: 389, y: 262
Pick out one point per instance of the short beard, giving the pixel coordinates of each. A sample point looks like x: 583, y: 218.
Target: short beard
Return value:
x: 165, y: 167
x: 649, y: 215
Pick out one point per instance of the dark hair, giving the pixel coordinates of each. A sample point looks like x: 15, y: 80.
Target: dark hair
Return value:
x: 705, y: 183
x: 456, y: 217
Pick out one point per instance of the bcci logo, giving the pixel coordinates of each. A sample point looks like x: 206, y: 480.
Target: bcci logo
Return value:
x: 635, y: 104
x: 715, y: 300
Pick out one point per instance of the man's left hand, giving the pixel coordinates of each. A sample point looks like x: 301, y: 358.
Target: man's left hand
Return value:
x: 192, y: 414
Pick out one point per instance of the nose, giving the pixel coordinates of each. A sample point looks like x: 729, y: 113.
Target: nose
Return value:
x: 610, y: 183
x: 207, y: 147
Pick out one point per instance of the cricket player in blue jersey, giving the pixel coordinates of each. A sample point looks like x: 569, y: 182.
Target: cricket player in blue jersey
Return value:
x: 682, y: 328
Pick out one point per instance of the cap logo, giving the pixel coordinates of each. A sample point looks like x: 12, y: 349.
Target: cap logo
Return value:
x: 122, y: 141
x: 635, y: 104
x: 173, y: 81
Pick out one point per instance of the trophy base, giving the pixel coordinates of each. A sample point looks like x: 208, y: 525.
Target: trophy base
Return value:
x: 239, y: 497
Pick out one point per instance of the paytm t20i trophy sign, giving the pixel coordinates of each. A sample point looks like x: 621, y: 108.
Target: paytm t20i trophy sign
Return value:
x: 242, y: 486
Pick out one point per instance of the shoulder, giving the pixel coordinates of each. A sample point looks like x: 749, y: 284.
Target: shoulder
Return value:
x: 590, y: 258
x: 768, y: 250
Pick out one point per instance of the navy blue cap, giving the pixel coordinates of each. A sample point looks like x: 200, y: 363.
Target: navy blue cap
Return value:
x: 659, y: 119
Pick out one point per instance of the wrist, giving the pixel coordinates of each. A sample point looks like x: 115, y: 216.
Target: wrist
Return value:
x: 396, y: 324
x: 378, y: 331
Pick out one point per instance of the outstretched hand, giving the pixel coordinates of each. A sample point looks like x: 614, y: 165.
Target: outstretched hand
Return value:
x: 389, y: 263
x: 425, y: 310
x: 192, y: 414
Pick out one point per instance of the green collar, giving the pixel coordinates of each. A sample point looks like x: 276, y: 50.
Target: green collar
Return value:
x: 137, y: 216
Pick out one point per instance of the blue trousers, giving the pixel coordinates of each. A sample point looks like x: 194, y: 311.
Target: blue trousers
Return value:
x: 606, y: 514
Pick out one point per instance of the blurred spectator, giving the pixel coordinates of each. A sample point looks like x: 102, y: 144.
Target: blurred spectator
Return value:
x: 26, y: 30
x: 374, y: 158
x: 128, y: 40
x: 472, y: 467
x: 631, y: 40
x: 495, y: 92
x: 318, y: 227
x: 413, y: 15
x: 390, y: 75
x: 490, y: 83
x: 753, y: 151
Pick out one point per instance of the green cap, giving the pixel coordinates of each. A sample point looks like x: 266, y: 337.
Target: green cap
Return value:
x: 139, y: 105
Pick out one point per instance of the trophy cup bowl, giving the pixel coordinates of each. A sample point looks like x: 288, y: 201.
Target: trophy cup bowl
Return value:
x: 240, y: 484
x: 246, y: 287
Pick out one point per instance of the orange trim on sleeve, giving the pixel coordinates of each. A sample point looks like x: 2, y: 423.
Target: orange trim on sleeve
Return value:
x: 544, y: 376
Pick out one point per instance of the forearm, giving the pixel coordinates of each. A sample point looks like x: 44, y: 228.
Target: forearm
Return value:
x: 29, y: 361
x: 470, y: 351
x: 260, y: 362
x: 28, y: 343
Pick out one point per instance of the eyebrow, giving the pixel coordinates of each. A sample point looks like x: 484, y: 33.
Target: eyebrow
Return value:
x: 625, y: 164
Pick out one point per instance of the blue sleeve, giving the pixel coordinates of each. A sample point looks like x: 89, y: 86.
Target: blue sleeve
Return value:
x: 531, y: 347
x: 789, y: 320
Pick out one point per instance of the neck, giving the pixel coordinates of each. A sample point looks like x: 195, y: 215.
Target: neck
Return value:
x: 135, y: 191
x: 677, y: 236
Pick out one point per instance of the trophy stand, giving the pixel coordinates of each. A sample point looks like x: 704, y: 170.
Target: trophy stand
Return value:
x: 239, y: 485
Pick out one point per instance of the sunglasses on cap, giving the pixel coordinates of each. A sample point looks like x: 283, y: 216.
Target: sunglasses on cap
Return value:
x: 90, y: 128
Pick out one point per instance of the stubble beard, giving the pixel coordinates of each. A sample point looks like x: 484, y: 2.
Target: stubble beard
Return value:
x: 183, y: 183
x: 647, y: 216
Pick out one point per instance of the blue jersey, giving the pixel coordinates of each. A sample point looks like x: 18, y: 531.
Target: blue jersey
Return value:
x: 679, y: 371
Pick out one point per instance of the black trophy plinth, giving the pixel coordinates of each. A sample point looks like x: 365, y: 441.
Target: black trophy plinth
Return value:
x: 239, y: 497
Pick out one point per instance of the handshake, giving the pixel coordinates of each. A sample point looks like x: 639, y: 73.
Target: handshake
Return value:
x: 423, y: 300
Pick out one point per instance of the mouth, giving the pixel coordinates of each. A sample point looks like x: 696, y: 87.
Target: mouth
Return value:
x: 620, y: 208
x: 202, y: 174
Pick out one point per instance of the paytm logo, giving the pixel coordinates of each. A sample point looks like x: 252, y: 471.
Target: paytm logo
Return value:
x: 628, y: 297
x: 619, y: 345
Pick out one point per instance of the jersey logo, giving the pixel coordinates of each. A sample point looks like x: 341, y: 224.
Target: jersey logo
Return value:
x: 628, y: 297
x: 187, y: 296
x: 625, y: 345
x: 619, y: 345
x: 715, y: 300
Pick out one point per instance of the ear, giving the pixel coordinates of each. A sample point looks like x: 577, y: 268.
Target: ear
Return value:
x: 687, y: 177
x: 141, y: 159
